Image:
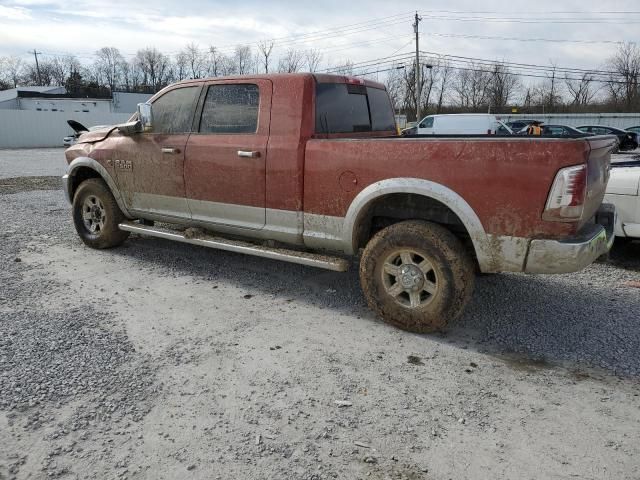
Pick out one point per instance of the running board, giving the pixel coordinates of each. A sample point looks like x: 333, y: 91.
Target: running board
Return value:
x: 336, y: 264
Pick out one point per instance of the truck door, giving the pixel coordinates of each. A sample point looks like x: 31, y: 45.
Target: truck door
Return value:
x: 150, y: 166
x: 226, y: 157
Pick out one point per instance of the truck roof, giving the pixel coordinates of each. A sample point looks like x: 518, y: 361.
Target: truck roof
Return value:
x: 275, y: 77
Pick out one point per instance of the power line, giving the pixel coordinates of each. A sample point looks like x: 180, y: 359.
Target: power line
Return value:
x: 552, y: 12
x: 532, y: 20
x: 521, y: 65
x: 518, y: 39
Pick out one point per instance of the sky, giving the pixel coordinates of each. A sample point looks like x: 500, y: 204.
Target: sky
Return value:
x: 377, y: 28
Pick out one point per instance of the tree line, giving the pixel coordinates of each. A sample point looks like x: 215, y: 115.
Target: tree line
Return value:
x: 150, y: 70
x: 446, y: 86
x: 480, y: 87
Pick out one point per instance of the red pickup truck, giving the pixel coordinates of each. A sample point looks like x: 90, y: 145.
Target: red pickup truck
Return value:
x: 309, y: 169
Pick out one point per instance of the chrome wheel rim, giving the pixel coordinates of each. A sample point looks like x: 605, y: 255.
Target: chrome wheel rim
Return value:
x: 93, y: 214
x: 409, y: 278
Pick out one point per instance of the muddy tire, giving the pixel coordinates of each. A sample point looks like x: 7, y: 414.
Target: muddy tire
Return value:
x: 417, y: 276
x: 96, y: 215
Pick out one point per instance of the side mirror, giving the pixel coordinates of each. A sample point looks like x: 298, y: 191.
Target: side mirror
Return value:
x: 129, y: 128
x: 145, y: 116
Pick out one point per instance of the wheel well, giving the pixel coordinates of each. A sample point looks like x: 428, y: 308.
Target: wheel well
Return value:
x: 80, y: 175
x: 397, y: 207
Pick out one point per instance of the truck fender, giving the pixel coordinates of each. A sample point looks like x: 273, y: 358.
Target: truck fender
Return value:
x: 92, y: 164
x: 427, y: 188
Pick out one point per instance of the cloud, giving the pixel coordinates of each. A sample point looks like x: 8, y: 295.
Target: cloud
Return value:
x: 14, y: 13
x: 84, y: 26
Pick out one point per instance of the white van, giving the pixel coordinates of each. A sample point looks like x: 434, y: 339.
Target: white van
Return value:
x: 460, y: 124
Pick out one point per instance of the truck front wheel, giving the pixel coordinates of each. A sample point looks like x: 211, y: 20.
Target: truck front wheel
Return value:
x: 96, y: 215
x: 417, y: 276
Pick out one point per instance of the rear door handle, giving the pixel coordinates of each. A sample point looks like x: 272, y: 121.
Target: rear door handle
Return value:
x: 170, y: 150
x: 245, y: 154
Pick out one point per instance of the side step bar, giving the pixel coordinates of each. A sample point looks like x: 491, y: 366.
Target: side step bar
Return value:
x: 303, y: 258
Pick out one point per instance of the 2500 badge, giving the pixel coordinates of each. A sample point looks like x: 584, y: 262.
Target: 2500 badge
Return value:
x: 124, y: 164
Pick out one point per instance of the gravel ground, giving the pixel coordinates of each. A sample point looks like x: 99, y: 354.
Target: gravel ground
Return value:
x: 162, y: 360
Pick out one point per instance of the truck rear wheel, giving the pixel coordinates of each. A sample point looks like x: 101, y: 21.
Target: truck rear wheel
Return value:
x: 417, y: 276
x: 96, y: 215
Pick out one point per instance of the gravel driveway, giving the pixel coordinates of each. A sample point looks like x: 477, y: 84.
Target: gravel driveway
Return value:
x: 161, y: 360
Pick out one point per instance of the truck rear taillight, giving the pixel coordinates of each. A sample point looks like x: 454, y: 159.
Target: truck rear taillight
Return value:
x: 567, y: 196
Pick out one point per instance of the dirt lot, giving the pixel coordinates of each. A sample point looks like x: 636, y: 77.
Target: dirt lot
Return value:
x: 163, y: 361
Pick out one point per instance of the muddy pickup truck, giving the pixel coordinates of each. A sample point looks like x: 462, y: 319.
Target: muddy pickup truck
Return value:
x: 310, y: 169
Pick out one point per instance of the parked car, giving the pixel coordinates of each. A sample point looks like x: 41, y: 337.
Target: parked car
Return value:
x: 558, y: 131
x: 460, y: 124
x: 627, y: 140
x: 314, y: 162
x: 635, y: 130
x: 563, y: 131
x: 623, y: 191
x: 518, y: 125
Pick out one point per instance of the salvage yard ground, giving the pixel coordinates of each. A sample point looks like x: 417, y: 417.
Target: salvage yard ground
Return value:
x: 164, y: 361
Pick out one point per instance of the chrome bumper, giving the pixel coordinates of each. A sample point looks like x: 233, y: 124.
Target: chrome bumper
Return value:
x: 65, y: 187
x: 573, y: 254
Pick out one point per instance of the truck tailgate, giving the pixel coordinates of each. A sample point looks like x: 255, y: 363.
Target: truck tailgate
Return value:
x: 598, y: 167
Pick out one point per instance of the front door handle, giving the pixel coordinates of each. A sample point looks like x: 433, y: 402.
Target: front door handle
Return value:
x: 245, y: 154
x: 170, y: 150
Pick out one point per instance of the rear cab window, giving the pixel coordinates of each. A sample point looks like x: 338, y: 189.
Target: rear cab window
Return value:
x: 352, y: 108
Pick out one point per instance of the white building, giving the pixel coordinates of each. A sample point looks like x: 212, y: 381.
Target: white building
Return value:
x: 33, y: 117
x: 55, y: 99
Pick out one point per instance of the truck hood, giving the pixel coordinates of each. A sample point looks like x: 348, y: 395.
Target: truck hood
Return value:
x: 96, y: 135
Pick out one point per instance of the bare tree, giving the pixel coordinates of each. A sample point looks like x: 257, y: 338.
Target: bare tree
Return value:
x: 181, y: 64
x: 445, y: 73
x: 291, y: 62
x: 154, y: 66
x: 214, y: 60
x: 502, y: 86
x: 40, y: 74
x: 581, y: 91
x: 62, y: 67
x: 313, y: 58
x: 345, y: 68
x: 471, y: 86
x: 264, y: 51
x: 396, y: 87
x: 13, y: 70
x: 624, y: 82
x: 243, y: 59
x: 195, y: 60
x: 132, y: 75
x: 108, y: 66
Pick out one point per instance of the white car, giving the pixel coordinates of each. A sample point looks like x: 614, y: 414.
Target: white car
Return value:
x: 460, y: 124
x: 623, y: 190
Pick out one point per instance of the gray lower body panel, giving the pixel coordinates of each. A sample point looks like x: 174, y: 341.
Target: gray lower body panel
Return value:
x: 573, y: 254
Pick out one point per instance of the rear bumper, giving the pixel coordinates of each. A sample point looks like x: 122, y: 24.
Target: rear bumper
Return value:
x: 576, y: 253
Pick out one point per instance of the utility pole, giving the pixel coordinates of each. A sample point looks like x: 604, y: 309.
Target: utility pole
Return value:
x: 35, y: 54
x: 418, y: 68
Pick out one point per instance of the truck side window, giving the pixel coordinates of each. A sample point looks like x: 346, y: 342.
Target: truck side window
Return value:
x: 231, y: 108
x: 173, y: 111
